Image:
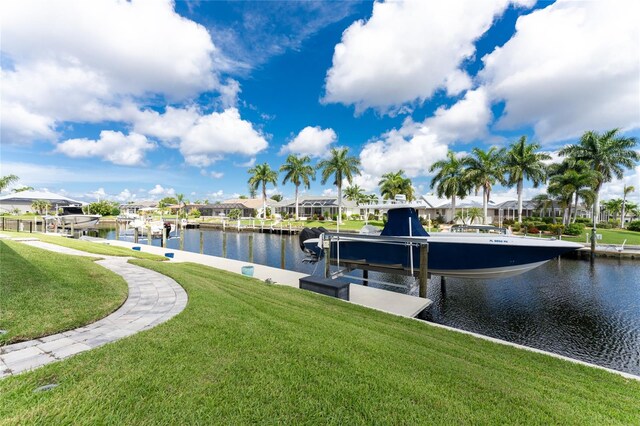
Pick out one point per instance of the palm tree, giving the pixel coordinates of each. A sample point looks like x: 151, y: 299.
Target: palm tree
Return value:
x: 449, y: 181
x: 261, y: 175
x: 613, y: 207
x: 625, y: 191
x: 7, y: 180
x: 393, y: 184
x: 180, y: 200
x: 40, y: 206
x: 474, y: 213
x: 483, y: 170
x: 355, y: 193
x: 299, y: 172
x: 572, y: 183
x: 340, y: 166
x: 22, y: 189
x: 607, y: 154
x: 522, y: 162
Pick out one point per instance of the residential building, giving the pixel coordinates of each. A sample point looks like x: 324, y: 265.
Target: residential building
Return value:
x: 20, y: 202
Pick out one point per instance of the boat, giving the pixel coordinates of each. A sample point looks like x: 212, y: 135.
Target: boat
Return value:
x: 72, y: 216
x: 146, y: 226
x: 483, y: 253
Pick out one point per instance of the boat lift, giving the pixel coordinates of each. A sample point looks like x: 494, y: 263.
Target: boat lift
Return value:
x: 422, y: 274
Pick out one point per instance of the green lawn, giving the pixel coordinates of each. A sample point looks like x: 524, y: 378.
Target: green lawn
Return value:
x: 42, y: 293
x: 609, y: 236
x: 88, y: 246
x: 247, y: 352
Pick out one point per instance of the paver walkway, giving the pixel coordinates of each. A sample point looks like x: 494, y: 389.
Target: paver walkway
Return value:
x: 153, y: 298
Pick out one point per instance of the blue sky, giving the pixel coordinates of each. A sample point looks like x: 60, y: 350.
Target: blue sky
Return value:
x: 139, y: 100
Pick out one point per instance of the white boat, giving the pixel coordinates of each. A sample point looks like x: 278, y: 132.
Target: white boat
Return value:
x: 479, y: 254
x: 72, y: 216
x: 145, y: 226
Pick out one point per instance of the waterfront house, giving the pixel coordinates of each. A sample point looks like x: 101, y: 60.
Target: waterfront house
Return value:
x: 249, y: 207
x: 20, y: 202
x: 317, y: 205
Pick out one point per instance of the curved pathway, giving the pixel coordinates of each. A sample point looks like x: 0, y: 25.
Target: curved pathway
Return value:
x: 153, y: 299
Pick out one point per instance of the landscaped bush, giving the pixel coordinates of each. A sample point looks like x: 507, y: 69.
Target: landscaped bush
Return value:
x: 321, y: 218
x: 516, y: 227
x: 235, y: 214
x: 634, y: 226
x: 604, y: 225
x: 508, y: 222
x: 532, y: 230
x: 310, y: 219
x: 344, y: 216
x: 334, y: 217
x: 194, y: 213
x: 584, y: 220
x: 557, y: 229
x: 372, y: 216
x: 542, y: 226
x: 574, y: 229
x: 547, y: 220
x: 355, y: 216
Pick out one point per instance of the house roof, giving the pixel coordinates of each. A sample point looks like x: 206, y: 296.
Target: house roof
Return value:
x: 316, y: 201
x: 249, y: 203
x: 30, y: 196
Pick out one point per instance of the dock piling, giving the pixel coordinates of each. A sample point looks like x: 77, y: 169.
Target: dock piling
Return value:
x: 326, y: 245
x: 251, y: 248
x: 424, y: 270
x: 201, y: 242
x: 224, y: 245
x: 281, y: 252
x: 135, y: 235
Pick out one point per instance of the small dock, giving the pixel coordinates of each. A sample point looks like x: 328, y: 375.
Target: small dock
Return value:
x: 382, y: 300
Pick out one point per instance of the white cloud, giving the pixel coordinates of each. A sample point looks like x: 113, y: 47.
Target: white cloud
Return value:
x: 229, y: 93
x: 614, y: 188
x: 170, y: 126
x: 416, y: 146
x: 124, y: 196
x: 364, y: 180
x: 112, y: 146
x: 218, y: 195
x: 216, y: 175
x: 85, y: 61
x: 220, y: 133
x: 406, y: 51
x: 160, y: 190
x: 312, y: 141
x: 248, y: 164
x: 330, y: 192
x: 570, y: 67
x: 98, y: 194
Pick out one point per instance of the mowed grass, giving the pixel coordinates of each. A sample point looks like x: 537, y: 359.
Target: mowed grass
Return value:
x: 609, y: 236
x: 246, y: 352
x: 43, y: 293
x: 87, y: 246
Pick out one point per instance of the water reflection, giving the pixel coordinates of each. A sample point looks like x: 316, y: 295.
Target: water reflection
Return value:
x: 588, y: 311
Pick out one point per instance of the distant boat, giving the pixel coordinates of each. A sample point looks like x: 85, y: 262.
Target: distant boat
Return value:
x: 144, y: 227
x: 483, y: 253
x: 73, y: 216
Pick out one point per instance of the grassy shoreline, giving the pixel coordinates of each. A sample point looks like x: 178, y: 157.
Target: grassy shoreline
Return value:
x: 39, y: 297
x: 246, y: 352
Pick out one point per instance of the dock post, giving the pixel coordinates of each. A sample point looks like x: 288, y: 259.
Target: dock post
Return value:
x: 201, y: 242
x: 251, y: 248
x: 281, y: 252
x: 135, y: 235
x: 164, y: 236
x: 443, y: 284
x: 424, y: 269
x: 72, y: 230
x: 18, y: 225
x: 327, y: 254
x: 117, y: 230
x: 181, y: 237
x: 593, y: 242
x: 365, y: 277
x: 149, y: 242
x: 224, y: 244
x: 3, y: 223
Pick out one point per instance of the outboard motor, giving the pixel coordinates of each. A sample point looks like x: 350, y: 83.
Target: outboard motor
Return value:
x: 311, y: 233
x: 167, y: 228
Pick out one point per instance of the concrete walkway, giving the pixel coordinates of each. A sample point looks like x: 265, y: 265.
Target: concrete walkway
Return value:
x: 153, y: 299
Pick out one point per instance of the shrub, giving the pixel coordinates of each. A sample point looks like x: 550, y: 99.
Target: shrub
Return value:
x: 532, y: 230
x: 315, y: 217
x: 634, y: 226
x: 424, y: 221
x: 195, y: 213
x: 557, y: 229
x: 310, y: 219
x: 235, y: 214
x: 335, y: 217
x: 355, y: 216
x: 584, y: 220
x: 547, y: 220
x: 344, y: 216
x: 321, y: 218
x: 508, y: 222
x: 574, y: 229
x: 604, y: 225
x: 543, y: 226
x: 516, y: 227
x: 372, y: 216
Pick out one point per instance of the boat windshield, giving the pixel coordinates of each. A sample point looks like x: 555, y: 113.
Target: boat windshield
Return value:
x: 72, y: 210
x: 479, y: 229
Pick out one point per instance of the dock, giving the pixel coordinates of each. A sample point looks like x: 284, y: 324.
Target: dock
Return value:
x: 382, y: 300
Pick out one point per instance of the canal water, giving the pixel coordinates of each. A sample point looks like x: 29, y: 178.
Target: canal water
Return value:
x: 571, y: 307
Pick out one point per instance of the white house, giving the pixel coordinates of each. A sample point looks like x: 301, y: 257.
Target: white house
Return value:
x: 20, y: 202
